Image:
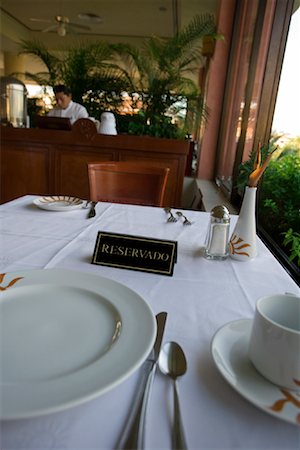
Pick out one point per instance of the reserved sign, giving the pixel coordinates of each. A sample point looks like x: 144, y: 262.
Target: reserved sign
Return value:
x: 135, y: 252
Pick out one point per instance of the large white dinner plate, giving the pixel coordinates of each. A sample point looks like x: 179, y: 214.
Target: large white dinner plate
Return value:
x: 59, y: 203
x: 67, y: 337
x: 230, y: 353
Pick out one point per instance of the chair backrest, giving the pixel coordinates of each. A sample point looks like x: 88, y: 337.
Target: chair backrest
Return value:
x: 137, y: 183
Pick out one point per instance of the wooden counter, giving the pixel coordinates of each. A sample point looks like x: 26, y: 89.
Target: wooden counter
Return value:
x: 45, y: 162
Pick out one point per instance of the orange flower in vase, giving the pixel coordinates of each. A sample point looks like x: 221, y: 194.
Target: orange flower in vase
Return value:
x: 242, y: 244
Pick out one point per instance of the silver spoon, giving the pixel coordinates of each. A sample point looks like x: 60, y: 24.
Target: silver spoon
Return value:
x: 172, y: 362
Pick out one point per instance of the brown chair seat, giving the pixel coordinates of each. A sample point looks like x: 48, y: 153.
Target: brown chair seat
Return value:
x: 137, y: 183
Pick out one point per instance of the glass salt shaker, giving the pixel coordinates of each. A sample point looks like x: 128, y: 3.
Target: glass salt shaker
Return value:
x: 216, y: 246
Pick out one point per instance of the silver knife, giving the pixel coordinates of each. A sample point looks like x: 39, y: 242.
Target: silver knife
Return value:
x: 92, y: 211
x: 133, y: 436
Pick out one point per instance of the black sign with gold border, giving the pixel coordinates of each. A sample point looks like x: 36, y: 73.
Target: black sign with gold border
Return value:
x: 135, y: 252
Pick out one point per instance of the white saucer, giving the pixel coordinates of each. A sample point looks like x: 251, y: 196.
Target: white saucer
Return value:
x: 59, y: 203
x: 229, y: 349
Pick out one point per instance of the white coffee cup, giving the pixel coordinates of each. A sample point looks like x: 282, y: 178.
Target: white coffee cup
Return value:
x: 274, y: 346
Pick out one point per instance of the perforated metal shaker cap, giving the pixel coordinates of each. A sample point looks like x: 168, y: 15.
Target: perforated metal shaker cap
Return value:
x: 220, y: 214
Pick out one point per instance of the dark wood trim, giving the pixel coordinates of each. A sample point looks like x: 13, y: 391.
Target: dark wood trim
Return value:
x: 288, y: 265
x: 270, y: 84
x: 281, y: 12
x: 251, y: 78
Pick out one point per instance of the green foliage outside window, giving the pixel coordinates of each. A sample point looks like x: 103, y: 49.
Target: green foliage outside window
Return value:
x: 278, y: 207
x: 279, y: 201
x: 292, y: 240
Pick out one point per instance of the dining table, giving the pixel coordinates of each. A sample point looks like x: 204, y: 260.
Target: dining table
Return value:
x: 225, y: 403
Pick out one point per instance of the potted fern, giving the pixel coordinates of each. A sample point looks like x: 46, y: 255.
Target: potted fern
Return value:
x: 160, y: 72
x: 157, y: 75
x: 85, y: 68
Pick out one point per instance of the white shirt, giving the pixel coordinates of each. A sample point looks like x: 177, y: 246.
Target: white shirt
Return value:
x: 74, y: 111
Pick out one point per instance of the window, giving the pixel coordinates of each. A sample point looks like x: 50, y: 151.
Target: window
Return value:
x: 257, y: 45
x: 278, y: 213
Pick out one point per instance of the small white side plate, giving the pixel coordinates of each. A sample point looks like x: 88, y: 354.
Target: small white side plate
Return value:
x: 229, y: 350
x: 59, y: 203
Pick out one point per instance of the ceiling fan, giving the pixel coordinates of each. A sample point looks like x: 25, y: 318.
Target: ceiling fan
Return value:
x: 62, y: 25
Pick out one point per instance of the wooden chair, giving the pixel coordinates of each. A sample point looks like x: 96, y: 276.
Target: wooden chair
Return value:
x: 137, y: 183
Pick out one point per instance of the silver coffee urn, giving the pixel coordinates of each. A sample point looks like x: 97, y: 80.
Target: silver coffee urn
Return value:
x: 13, y: 102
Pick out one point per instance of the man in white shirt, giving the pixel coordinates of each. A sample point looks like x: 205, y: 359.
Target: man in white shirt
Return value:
x: 65, y: 105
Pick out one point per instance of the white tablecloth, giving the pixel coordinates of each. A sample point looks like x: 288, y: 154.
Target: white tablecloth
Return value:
x: 200, y: 297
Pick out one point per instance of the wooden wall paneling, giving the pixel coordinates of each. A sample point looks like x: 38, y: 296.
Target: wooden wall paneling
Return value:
x: 25, y: 169
x: 71, y: 176
x: 54, y: 162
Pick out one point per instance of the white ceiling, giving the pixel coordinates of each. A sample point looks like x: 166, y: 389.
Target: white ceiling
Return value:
x: 122, y: 20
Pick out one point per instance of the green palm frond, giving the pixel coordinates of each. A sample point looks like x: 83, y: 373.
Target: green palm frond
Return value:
x: 160, y: 67
x: 161, y: 58
x: 199, y: 27
x: 39, y: 51
x: 138, y: 66
x: 40, y: 78
x: 189, y: 38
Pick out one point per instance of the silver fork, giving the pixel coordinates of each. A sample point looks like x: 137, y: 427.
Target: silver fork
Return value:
x: 92, y: 211
x: 186, y: 220
x: 87, y: 204
x: 171, y: 218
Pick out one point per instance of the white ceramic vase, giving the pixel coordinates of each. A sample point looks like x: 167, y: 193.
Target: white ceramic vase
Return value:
x: 108, y: 124
x: 242, y: 245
